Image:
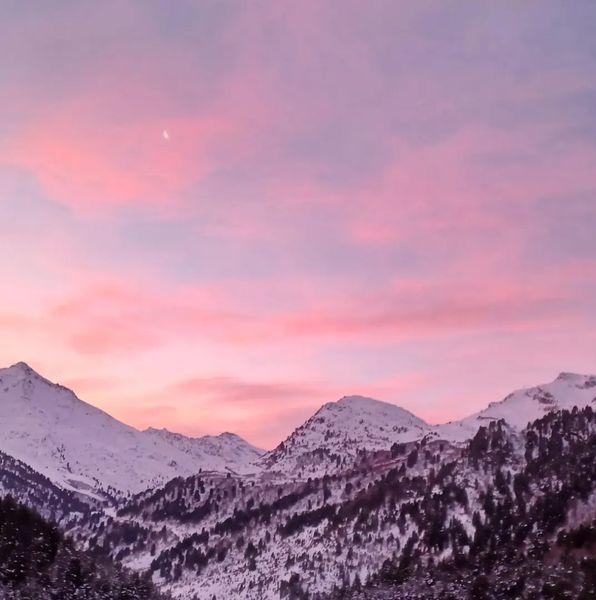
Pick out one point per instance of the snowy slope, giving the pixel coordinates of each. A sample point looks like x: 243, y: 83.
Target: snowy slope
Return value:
x: 223, y: 452
x: 79, y: 446
x: 522, y: 406
x: 338, y: 430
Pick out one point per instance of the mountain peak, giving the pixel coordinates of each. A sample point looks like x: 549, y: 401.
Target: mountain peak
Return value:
x: 339, y: 430
x: 20, y: 367
x: 355, y: 400
x: 378, y: 408
x: 21, y: 371
x: 156, y: 430
x: 569, y: 376
x: 526, y: 405
x: 228, y: 435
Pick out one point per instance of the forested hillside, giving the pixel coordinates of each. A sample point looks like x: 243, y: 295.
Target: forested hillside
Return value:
x: 38, y: 563
x: 534, y: 533
x: 418, y: 519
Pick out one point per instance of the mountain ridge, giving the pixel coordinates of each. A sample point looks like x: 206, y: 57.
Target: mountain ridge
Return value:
x: 84, y: 448
x: 222, y: 452
x: 79, y: 446
x: 525, y: 405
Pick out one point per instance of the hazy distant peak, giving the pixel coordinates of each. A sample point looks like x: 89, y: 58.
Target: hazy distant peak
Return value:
x: 223, y: 436
x: 224, y: 452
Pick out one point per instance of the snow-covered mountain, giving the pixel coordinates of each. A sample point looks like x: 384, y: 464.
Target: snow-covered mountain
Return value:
x: 335, y: 434
x: 526, y: 405
x: 431, y: 513
x: 83, y: 448
x: 224, y: 452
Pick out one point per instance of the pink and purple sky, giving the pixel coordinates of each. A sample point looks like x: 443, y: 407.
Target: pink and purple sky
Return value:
x: 218, y: 215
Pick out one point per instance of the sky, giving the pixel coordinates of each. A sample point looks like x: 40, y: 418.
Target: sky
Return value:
x: 218, y: 215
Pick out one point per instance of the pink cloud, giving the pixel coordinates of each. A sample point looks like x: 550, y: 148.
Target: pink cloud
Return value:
x: 89, y: 166
x: 104, y: 145
x: 207, y: 405
x: 467, y: 186
x: 433, y: 310
x: 103, y: 315
x: 238, y: 391
x: 115, y: 315
x: 204, y: 405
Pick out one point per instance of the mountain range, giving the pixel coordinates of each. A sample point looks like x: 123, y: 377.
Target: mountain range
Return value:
x: 362, y: 497
x: 82, y: 448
